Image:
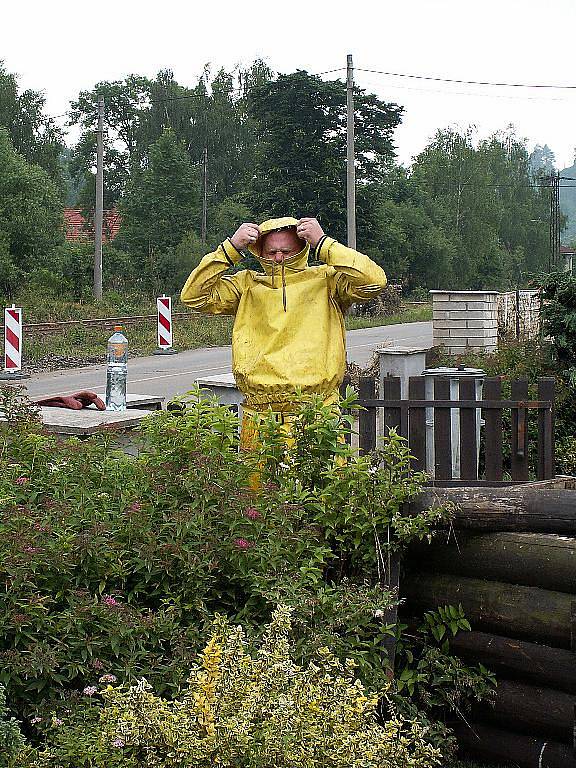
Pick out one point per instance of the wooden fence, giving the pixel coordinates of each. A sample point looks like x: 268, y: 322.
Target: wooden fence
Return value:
x: 409, y: 416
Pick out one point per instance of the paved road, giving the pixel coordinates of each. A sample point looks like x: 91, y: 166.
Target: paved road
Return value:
x: 175, y: 374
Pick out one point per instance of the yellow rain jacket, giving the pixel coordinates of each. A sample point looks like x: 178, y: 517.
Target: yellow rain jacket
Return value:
x: 289, y: 330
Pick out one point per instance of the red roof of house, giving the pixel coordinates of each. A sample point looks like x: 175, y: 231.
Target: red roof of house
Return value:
x: 77, y: 228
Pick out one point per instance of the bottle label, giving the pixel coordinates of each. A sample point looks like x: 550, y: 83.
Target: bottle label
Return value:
x: 117, y: 350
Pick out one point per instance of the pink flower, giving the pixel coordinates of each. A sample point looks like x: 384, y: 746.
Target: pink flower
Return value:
x: 135, y: 506
x: 111, y: 602
x: 118, y: 743
x: 35, y: 720
x: 108, y: 679
x: 21, y: 480
x: 90, y: 690
x: 97, y: 664
x: 252, y: 514
x: 57, y: 721
x: 242, y: 544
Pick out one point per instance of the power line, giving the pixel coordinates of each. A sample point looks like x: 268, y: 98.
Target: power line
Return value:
x: 467, y: 82
x: 507, y: 96
x: 326, y: 72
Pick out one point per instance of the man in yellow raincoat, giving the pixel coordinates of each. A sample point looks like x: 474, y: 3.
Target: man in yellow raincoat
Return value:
x: 289, y: 333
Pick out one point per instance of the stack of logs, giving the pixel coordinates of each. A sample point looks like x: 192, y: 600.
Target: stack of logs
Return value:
x: 510, y: 560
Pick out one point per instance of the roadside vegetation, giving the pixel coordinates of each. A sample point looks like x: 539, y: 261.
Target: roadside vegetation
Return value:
x: 123, y: 568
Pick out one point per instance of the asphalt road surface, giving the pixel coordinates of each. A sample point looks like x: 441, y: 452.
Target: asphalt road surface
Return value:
x: 175, y: 374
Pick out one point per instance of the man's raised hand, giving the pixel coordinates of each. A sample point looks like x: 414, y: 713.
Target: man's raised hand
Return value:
x: 246, y: 234
x: 309, y: 230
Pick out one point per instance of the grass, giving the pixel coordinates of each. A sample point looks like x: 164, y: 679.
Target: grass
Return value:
x: 78, y: 345
x: 411, y: 314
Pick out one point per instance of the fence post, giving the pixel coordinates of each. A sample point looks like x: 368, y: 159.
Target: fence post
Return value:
x: 546, y: 391
x: 493, y: 430
x: 393, y: 417
x: 417, y: 423
x: 442, y: 431
x: 519, y: 453
x: 468, y: 436
x: 367, y: 416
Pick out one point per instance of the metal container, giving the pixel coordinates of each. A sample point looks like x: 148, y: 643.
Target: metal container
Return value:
x: 455, y: 375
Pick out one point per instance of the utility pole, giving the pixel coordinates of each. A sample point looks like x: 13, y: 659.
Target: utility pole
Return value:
x: 554, y: 219
x: 350, y: 169
x: 204, y: 194
x: 99, y: 211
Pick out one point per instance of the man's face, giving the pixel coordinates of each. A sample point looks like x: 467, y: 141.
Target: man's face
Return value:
x: 281, y: 245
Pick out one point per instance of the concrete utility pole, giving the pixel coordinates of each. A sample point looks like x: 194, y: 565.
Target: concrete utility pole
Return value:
x: 350, y: 169
x: 99, y: 211
x: 554, y: 259
x: 204, y: 194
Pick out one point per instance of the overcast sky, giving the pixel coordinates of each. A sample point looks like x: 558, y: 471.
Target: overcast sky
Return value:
x: 63, y: 47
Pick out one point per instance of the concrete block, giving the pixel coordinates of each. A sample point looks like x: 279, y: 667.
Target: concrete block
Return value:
x: 482, y: 305
x: 480, y: 323
x: 449, y: 323
x: 473, y: 333
x: 476, y: 315
x: 448, y: 306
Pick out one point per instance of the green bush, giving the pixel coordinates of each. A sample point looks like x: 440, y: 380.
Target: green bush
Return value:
x: 559, y: 320
x: 254, y: 709
x: 115, y: 564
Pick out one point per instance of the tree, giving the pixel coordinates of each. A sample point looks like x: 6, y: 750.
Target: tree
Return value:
x: 485, y: 200
x: 211, y: 115
x: 32, y: 134
x: 300, y: 161
x: 399, y: 229
x: 31, y: 221
x: 542, y: 161
x: 162, y: 202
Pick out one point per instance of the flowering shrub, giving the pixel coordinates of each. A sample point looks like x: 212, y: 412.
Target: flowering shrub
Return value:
x: 114, y: 565
x: 239, y: 709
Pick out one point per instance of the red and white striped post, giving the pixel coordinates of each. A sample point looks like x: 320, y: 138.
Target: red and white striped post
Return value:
x: 13, y: 343
x: 164, y: 335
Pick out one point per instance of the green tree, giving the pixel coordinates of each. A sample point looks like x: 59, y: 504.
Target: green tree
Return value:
x: 300, y: 160
x: 162, y: 204
x: 212, y: 115
x: 33, y: 135
x: 485, y: 200
x: 398, y: 227
x: 31, y: 222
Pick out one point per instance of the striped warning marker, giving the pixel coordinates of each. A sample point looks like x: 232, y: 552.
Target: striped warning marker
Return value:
x: 164, y: 304
x: 13, y: 339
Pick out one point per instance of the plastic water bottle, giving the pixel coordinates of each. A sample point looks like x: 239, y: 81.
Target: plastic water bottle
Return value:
x: 117, y: 371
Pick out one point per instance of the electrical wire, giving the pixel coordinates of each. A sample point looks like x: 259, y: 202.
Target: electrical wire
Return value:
x: 467, y: 82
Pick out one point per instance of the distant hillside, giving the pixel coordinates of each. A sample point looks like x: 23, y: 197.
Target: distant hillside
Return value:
x: 568, y: 204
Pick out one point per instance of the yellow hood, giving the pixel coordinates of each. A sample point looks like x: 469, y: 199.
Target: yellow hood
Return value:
x: 273, y: 268
x: 294, y: 263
